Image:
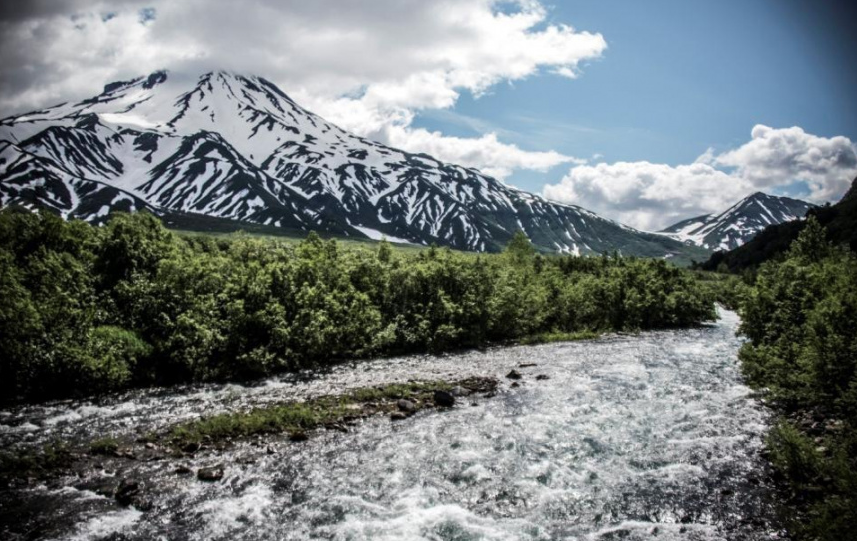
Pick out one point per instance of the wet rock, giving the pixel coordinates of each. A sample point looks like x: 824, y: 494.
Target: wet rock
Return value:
x: 190, y: 447
x: 103, y: 486
x: 183, y: 469
x: 150, y: 445
x: 398, y: 416
x: 515, y: 385
x: 514, y: 374
x: 444, y: 399
x: 213, y: 473
x: 459, y: 391
x: 833, y: 425
x: 542, y: 377
x: 526, y: 365
x: 127, y: 492
x: 298, y: 435
x: 406, y: 406
x: 143, y: 504
x: 270, y: 450
x: 126, y: 453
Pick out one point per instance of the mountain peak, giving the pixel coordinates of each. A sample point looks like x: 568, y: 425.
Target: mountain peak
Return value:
x: 740, y: 222
x: 228, y: 146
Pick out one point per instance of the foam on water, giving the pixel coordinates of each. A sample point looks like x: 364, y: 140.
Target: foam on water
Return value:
x: 106, y: 524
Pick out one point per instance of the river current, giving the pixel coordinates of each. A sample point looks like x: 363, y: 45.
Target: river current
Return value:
x: 649, y: 436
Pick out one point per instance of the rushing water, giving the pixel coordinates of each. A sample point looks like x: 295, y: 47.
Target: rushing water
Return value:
x: 632, y: 437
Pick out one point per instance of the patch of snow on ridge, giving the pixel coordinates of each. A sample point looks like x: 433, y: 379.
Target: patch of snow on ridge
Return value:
x: 374, y: 234
x: 126, y: 119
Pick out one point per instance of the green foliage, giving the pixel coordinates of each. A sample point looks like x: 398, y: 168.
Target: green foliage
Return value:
x: 24, y: 463
x: 295, y: 417
x: 104, y: 446
x: 800, y: 319
x: 559, y: 336
x: 86, y: 309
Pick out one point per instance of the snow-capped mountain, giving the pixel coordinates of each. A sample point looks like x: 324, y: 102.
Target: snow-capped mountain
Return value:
x: 232, y: 147
x: 739, y: 223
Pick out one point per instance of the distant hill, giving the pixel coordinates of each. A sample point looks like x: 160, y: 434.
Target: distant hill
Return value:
x: 840, y: 220
x: 739, y: 223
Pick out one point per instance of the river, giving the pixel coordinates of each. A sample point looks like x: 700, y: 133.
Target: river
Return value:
x: 649, y: 436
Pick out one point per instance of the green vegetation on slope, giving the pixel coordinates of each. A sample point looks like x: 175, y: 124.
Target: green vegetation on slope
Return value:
x: 801, y: 321
x: 85, y: 309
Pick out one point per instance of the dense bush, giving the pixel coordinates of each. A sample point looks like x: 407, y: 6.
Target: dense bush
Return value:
x: 86, y: 309
x: 801, y: 320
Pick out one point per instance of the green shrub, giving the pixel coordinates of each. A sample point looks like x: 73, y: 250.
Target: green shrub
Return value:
x: 87, y: 310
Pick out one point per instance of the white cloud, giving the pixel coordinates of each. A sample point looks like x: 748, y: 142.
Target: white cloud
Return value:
x: 777, y: 157
x: 369, y: 66
x: 652, y: 196
x: 645, y: 195
x: 475, y: 152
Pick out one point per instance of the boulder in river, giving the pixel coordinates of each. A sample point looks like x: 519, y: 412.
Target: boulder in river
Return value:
x: 406, y: 406
x: 514, y: 374
x: 103, y: 486
x: 191, y: 447
x: 444, y: 399
x: 127, y: 491
x: 398, y: 416
x: 213, y: 473
x: 458, y: 390
x: 542, y: 377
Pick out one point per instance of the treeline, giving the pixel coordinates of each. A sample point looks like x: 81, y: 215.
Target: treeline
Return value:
x: 86, y: 310
x: 801, y: 321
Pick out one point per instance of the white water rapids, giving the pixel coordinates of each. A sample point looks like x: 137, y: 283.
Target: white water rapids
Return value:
x: 651, y: 436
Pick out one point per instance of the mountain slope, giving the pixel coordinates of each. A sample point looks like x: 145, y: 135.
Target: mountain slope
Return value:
x: 840, y: 221
x: 739, y: 223
x: 237, y: 148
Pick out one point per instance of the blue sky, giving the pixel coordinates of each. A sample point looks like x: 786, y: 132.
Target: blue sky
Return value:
x: 677, y: 78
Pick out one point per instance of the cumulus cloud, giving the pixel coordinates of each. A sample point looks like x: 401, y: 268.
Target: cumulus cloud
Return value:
x: 652, y: 196
x: 475, y: 152
x: 776, y: 157
x: 645, y: 195
x: 368, y: 66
